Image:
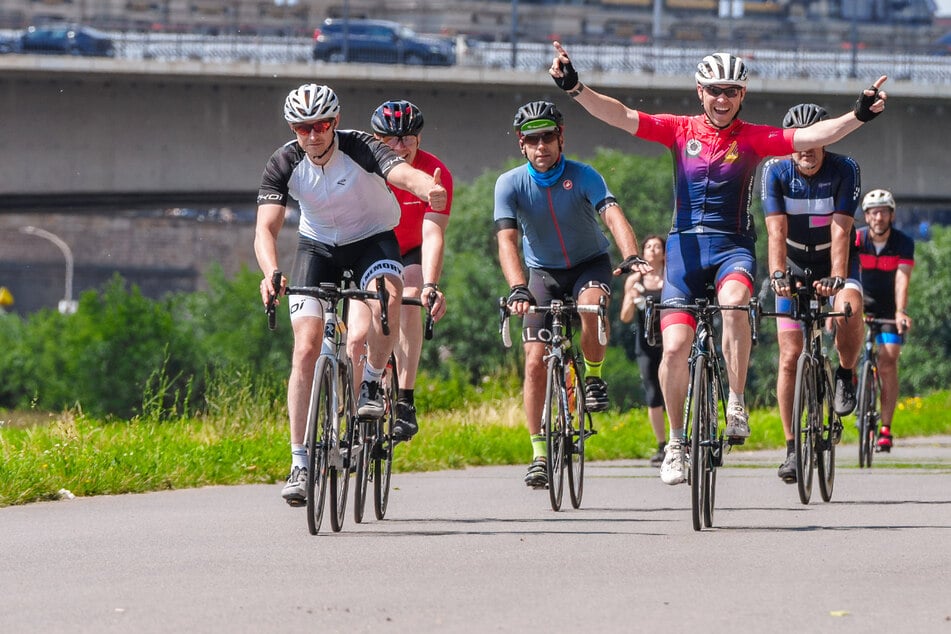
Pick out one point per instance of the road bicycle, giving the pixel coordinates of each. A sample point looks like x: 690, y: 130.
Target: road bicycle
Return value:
x: 374, y: 461
x: 565, y: 421
x: 816, y: 426
x: 331, y: 415
x: 868, y: 407
x: 705, y: 405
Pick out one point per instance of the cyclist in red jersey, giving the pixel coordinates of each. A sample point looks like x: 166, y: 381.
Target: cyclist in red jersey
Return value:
x: 421, y: 235
x: 716, y: 155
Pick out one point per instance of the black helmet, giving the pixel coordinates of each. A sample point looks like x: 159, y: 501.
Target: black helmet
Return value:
x: 804, y: 115
x: 538, y: 116
x: 397, y: 118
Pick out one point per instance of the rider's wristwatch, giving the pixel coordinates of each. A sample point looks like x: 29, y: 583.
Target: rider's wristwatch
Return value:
x: 778, y: 275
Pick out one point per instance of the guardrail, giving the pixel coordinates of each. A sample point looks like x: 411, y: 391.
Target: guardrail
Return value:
x: 536, y: 56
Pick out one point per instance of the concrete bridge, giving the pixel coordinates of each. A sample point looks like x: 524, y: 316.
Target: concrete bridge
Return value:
x: 85, y: 140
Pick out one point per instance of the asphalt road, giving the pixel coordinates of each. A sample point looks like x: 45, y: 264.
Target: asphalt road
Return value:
x: 476, y: 551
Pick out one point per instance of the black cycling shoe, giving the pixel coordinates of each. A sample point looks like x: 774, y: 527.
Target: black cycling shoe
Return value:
x: 537, y: 476
x: 843, y: 400
x: 405, y: 426
x: 596, y: 394
x: 787, y: 470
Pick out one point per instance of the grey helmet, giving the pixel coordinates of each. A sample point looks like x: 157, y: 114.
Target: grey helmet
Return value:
x: 721, y: 68
x: 804, y: 115
x: 538, y: 116
x: 309, y: 102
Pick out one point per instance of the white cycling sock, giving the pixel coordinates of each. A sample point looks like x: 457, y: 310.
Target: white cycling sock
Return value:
x: 298, y: 455
x: 372, y: 374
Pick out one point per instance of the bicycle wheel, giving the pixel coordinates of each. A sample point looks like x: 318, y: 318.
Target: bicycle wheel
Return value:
x: 697, y: 416
x: 553, y: 424
x: 714, y: 450
x: 319, y: 429
x: 339, y: 453
x: 365, y: 439
x: 383, y: 452
x: 805, y: 409
x: 866, y: 416
x: 826, y: 423
x: 576, y: 430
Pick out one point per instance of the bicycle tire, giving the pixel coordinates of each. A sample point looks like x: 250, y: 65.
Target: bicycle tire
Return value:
x: 319, y: 428
x: 867, y: 413
x: 366, y: 437
x: 342, y: 439
x: 575, y: 430
x: 383, y: 457
x: 696, y: 421
x: 554, y: 428
x: 712, y: 458
x: 825, y: 434
x: 804, y: 411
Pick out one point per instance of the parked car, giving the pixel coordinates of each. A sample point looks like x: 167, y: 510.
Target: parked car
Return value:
x: 62, y: 39
x: 381, y: 42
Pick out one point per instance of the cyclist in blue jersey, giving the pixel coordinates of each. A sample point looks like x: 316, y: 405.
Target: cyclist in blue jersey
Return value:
x: 887, y: 256
x: 347, y: 214
x: 555, y: 204
x: 715, y: 156
x: 810, y: 200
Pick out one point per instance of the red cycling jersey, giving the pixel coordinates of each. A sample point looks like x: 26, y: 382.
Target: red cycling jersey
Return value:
x: 409, y: 232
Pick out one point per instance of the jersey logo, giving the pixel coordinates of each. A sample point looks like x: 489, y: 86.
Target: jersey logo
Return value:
x: 693, y: 148
x: 732, y: 153
x: 567, y: 184
x: 342, y: 182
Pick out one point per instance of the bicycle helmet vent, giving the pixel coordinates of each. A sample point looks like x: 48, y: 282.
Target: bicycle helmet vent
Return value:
x: 310, y: 102
x: 721, y: 68
x: 804, y: 115
x: 538, y: 116
x: 878, y: 198
x: 397, y: 118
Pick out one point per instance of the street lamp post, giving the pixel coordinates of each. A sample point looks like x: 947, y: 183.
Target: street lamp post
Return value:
x: 66, y: 305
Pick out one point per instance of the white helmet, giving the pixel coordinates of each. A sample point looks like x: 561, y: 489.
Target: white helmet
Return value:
x: 310, y: 102
x: 721, y: 68
x: 878, y: 198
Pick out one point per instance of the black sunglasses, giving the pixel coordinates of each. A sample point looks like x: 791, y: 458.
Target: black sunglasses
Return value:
x: 715, y: 91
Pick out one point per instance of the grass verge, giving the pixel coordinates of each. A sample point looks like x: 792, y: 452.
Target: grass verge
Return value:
x: 41, y: 455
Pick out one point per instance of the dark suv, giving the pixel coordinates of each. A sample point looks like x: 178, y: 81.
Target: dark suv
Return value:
x: 63, y: 39
x: 380, y: 42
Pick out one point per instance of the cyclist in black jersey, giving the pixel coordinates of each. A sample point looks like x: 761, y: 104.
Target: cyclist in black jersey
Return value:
x: 887, y: 256
x: 810, y: 199
x: 347, y: 214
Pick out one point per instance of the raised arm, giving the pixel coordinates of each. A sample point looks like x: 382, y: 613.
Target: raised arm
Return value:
x: 608, y: 109
x: 869, y: 105
x: 420, y: 184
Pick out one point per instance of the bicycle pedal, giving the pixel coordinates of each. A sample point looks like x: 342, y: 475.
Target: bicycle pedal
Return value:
x: 735, y: 440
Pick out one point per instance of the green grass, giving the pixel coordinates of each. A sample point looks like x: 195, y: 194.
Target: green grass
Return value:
x: 246, y: 442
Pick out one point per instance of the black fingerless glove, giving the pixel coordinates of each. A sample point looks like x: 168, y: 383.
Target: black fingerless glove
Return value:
x: 630, y: 262
x: 833, y: 282
x: 520, y: 293
x: 862, y: 105
x: 570, y: 78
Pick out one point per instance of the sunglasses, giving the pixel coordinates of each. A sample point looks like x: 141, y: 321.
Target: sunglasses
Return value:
x: 320, y: 126
x: 715, y: 91
x: 408, y: 140
x: 544, y: 137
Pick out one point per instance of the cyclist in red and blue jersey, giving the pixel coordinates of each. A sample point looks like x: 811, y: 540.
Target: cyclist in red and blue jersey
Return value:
x: 887, y: 256
x: 809, y: 200
x: 555, y: 204
x: 421, y: 236
x: 716, y: 155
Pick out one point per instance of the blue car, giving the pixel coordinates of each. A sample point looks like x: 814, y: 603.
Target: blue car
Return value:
x: 59, y: 39
x: 379, y: 42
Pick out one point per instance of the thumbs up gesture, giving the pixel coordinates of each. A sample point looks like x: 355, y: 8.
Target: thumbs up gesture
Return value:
x: 438, y: 197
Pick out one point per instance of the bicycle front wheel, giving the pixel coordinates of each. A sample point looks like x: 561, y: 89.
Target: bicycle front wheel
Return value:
x: 825, y: 435
x: 576, y: 429
x: 383, y: 456
x: 866, y: 415
x: 342, y: 443
x: 317, y: 439
x: 698, y: 419
x: 553, y: 424
x: 805, y: 411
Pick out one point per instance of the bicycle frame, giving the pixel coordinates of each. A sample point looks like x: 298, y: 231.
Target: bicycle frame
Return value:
x: 868, y: 395
x: 565, y: 421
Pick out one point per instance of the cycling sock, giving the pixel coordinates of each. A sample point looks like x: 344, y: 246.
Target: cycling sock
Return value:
x: 736, y: 398
x: 298, y: 455
x: 842, y: 373
x: 676, y: 437
x: 372, y: 374
x: 405, y: 396
x: 790, y: 447
x: 538, y: 446
x: 593, y: 368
